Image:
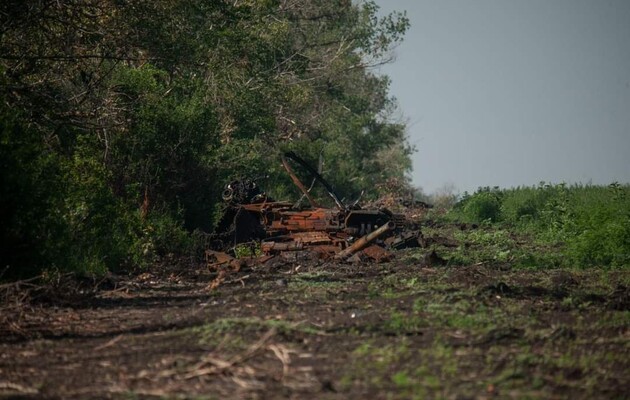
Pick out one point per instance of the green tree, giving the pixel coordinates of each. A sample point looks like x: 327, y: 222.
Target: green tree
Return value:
x: 126, y: 118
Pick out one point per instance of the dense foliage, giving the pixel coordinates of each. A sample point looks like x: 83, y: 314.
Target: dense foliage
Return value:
x: 591, y: 224
x: 122, y: 120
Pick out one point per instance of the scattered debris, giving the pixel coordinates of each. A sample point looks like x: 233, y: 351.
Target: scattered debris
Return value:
x: 293, y: 233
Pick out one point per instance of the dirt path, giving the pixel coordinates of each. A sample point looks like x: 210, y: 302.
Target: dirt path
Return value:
x: 397, y: 330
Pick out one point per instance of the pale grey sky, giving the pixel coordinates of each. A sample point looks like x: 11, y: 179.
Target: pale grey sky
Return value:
x: 513, y: 92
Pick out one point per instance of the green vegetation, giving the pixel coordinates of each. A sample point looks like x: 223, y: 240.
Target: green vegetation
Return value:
x: 120, y: 122
x: 580, y: 225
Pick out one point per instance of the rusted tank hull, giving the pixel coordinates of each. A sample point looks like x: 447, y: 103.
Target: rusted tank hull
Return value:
x: 278, y: 227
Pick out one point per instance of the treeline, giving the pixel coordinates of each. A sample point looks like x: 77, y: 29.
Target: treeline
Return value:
x: 589, y: 224
x: 122, y: 120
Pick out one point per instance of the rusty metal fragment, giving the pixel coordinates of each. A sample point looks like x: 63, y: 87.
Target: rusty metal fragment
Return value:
x: 377, y: 254
x: 365, y: 240
x: 217, y: 258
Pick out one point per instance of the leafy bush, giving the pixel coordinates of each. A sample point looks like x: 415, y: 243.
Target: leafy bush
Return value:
x: 523, y: 205
x: 599, y: 232
x: 603, y: 243
x: 482, y: 206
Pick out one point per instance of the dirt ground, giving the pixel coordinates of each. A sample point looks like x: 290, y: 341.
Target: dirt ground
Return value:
x: 405, y: 329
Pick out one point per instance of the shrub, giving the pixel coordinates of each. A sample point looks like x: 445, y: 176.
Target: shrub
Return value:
x: 482, y: 206
x: 602, y: 244
x: 599, y: 232
x: 523, y: 205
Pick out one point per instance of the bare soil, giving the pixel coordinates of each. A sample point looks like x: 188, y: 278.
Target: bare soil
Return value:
x: 403, y: 329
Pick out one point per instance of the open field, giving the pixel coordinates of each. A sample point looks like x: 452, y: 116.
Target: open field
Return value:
x: 412, y: 328
x: 137, y: 135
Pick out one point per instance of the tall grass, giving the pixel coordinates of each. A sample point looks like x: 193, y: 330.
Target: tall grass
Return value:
x: 591, y: 223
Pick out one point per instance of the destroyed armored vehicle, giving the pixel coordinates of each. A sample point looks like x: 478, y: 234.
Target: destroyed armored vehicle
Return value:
x: 280, y: 227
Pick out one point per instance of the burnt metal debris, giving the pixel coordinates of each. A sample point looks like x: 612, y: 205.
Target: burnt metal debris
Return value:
x: 281, y: 229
